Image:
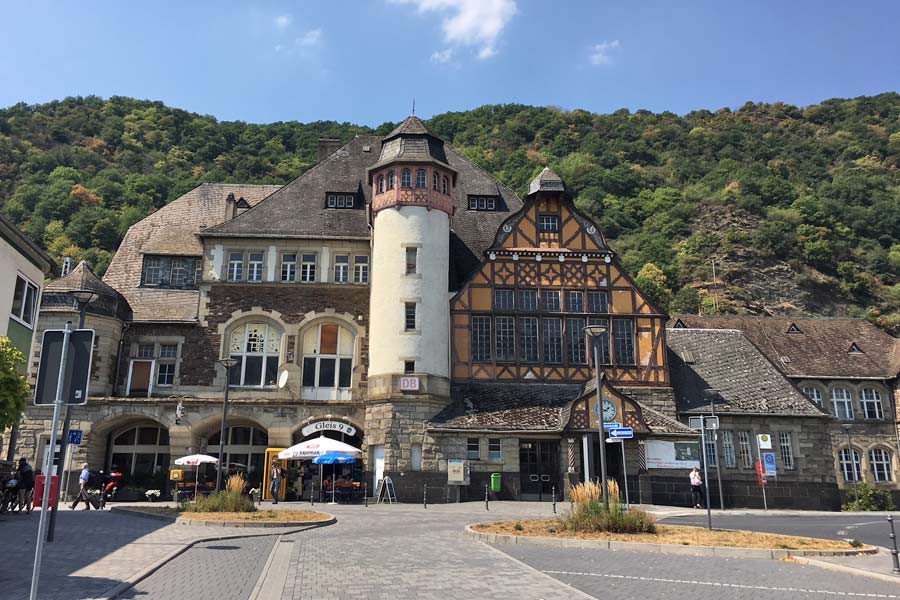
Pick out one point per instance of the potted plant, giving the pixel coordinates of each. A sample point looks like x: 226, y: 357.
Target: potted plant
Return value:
x: 152, y: 495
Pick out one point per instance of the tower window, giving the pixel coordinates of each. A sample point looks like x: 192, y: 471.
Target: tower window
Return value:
x: 435, y: 181
x: 381, y: 184
x: 391, y: 178
x: 409, y: 366
x: 548, y: 223
x: 406, y: 179
x: 412, y: 255
x: 409, y: 316
x: 421, y: 179
x: 445, y: 187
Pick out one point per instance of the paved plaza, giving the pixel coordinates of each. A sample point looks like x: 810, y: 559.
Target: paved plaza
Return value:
x: 400, y: 551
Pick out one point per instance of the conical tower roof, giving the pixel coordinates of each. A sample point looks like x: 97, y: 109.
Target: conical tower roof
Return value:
x: 546, y: 181
x: 81, y: 278
x: 410, y: 125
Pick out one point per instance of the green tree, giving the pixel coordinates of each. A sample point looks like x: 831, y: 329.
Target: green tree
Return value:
x: 653, y: 282
x: 14, y: 390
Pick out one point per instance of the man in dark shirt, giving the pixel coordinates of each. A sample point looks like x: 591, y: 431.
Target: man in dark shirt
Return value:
x: 25, y: 475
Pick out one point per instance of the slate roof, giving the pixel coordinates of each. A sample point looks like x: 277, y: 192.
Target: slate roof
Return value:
x: 820, y: 348
x: 173, y: 230
x: 546, y: 181
x: 660, y: 424
x: 411, y: 142
x: 724, y: 360
x: 80, y: 278
x: 55, y: 295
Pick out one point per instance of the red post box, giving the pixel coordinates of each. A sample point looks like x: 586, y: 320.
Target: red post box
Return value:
x: 39, y: 490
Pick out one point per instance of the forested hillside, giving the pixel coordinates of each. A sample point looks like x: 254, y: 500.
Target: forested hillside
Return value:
x: 797, y: 208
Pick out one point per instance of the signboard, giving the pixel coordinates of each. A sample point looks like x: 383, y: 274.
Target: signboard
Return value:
x: 769, y: 463
x: 707, y: 422
x: 695, y: 422
x: 457, y: 472
x: 711, y: 422
x: 78, y: 367
x: 621, y: 433
x: 672, y: 455
x: 612, y: 425
x: 75, y: 437
x: 409, y: 384
x: 764, y: 441
x: 339, y: 426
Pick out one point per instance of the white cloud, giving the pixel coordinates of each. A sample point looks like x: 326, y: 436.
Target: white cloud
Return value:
x: 282, y: 22
x: 310, y: 38
x: 600, y: 52
x: 476, y: 23
x: 442, y: 56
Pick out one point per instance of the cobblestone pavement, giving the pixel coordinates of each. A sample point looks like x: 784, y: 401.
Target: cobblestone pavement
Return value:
x: 605, y: 574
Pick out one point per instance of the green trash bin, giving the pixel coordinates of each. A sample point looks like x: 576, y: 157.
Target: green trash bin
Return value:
x: 495, y: 482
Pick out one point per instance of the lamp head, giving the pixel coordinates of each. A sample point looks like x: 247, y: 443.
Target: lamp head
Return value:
x: 595, y: 330
x: 84, y: 296
x: 228, y: 362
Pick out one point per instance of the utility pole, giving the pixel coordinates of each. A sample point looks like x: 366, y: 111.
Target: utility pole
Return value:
x: 712, y: 394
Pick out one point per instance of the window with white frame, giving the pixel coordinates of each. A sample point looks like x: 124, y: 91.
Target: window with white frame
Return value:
x: 528, y: 339
x: 851, y: 467
x: 481, y: 339
x: 575, y: 342
x: 506, y: 338
x: 152, y: 270
x: 553, y: 340
x: 574, y: 301
x: 390, y: 183
x: 255, y: 266
x: 504, y: 299
x: 550, y: 300
x: 409, y: 316
x: 445, y: 186
x: 842, y: 402
x: 871, y: 404
x: 257, y: 348
x: 406, y: 179
x: 786, y: 445
x: 880, y: 462
x: 814, y: 394
x: 598, y: 302
x: 435, y: 181
x: 165, y: 366
x: 710, y: 451
x: 495, y: 450
x: 308, y: 268
x: 235, y: 266
x: 24, y: 301
x: 381, y: 184
x: 548, y: 223
x: 421, y: 179
x: 145, y: 350
x: 745, y: 449
x: 342, y: 268
x: 361, y: 269
x: 288, y: 267
x: 528, y: 300
x: 327, y: 360
x: 728, y: 455
x: 473, y: 449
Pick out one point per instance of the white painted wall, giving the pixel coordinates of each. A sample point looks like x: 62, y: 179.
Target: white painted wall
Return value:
x: 12, y: 263
x: 395, y: 230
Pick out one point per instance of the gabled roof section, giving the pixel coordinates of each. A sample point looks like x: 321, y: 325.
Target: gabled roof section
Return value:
x: 725, y: 361
x: 546, y: 181
x: 823, y: 349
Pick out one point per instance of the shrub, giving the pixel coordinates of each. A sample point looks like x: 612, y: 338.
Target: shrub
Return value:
x: 231, y: 499
x: 870, y: 498
x: 589, y: 515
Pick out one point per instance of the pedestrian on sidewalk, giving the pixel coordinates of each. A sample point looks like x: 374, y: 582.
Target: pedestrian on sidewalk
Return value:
x: 82, y: 488
x: 25, y: 475
x: 696, y: 487
x: 277, y: 476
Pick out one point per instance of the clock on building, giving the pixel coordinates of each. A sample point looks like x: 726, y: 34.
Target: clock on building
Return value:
x: 609, y: 410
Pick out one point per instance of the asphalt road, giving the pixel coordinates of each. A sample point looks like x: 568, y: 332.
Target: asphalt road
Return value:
x: 871, y: 529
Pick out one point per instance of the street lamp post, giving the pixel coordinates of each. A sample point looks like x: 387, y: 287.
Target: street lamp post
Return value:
x: 228, y: 363
x: 846, y: 427
x: 595, y: 332
x: 83, y: 297
x: 712, y: 394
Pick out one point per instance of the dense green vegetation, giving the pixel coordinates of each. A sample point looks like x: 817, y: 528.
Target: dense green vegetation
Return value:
x: 799, y: 206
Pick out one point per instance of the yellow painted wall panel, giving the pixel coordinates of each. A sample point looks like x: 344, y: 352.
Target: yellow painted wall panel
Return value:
x: 621, y: 302
x: 481, y: 298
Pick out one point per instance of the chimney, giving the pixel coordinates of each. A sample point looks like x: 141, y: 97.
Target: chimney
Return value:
x: 327, y: 147
x: 229, y: 206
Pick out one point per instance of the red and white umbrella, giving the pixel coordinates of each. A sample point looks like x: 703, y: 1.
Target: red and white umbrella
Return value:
x: 317, y: 447
x: 195, y: 460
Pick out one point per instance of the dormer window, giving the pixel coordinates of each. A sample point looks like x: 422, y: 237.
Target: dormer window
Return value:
x: 793, y: 329
x: 421, y: 179
x: 482, y: 203
x: 172, y: 272
x: 340, y: 201
x: 241, y: 207
x: 391, y: 180
x: 854, y: 349
x: 381, y: 184
x: 406, y: 179
x: 548, y: 223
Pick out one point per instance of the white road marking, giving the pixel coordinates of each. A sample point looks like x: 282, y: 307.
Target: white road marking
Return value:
x: 722, y: 584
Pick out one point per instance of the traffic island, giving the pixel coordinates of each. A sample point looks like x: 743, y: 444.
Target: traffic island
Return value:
x: 261, y: 518
x: 668, y: 539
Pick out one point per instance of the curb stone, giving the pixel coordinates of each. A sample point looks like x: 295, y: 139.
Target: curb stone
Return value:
x: 830, y: 566
x: 197, y: 522
x: 770, y: 553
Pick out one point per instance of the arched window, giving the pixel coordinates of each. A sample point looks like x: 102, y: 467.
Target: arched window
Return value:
x: 421, y: 179
x: 880, y: 461
x: 445, y: 188
x: 381, y: 184
x: 850, y: 464
x: 327, y: 362
x: 406, y: 179
x: 871, y: 404
x: 813, y: 394
x: 140, y: 450
x: 843, y: 403
x: 391, y: 180
x: 257, y: 348
x: 245, y: 451
x: 435, y: 181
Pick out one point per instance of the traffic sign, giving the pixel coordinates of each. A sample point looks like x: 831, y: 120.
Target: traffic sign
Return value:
x: 75, y: 437
x: 764, y: 441
x: 769, y: 463
x: 621, y: 433
x: 615, y: 441
x: 711, y: 422
x: 612, y: 425
x: 78, y: 367
x: 703, y: 422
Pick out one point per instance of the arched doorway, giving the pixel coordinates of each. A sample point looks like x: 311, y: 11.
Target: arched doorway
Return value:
x: 245, y: 451
x: 141, y: 453
x: 305, y: 478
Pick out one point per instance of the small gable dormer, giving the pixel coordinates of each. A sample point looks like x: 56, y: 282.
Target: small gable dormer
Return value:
x: 792, y: 328
x: 679, y: 324
x: 854, y: 349
x: 241, y: 206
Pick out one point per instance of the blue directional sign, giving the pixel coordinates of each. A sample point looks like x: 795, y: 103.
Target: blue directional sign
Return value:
x: 612, y: 425
x: 621, y: 433
x: 75, y: 437
x: 769, y: 463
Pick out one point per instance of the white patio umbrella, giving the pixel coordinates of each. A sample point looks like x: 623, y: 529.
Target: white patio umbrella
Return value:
x: 195, y: 460
x: 317, y: 447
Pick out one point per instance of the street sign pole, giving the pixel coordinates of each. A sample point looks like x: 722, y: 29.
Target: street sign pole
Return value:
x: 625, y: 474
x: 761, y: 474
x: 705, y: 475
x: 48, y: 464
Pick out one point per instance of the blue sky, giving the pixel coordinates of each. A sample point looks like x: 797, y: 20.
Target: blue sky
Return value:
x: 364, y: 61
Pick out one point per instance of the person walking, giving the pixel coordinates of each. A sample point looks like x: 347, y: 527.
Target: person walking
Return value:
x: 82, y: 488
x: 25, y: 475
x: 277, y: 476
x: 696, y: 487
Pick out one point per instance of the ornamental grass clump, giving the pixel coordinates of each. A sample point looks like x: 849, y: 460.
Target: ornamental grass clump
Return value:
x: 231, y: 499
x: 588, y: 515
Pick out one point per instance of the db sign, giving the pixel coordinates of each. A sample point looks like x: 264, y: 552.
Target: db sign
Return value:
x: 409, y: 384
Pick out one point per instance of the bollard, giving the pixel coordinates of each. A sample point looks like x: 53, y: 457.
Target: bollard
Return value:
x: 894, y: 554
x: 366, y: 494
x: 486, y: 507
x: 312, y: 494
x: 554, y: 499
x: 425, y: 495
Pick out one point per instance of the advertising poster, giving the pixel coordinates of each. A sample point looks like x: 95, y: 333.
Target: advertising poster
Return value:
x: 672, y: 455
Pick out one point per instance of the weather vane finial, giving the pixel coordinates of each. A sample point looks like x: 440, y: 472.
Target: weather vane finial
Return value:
x: 414, y: 106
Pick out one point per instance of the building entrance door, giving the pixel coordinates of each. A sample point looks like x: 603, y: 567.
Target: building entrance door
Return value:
x: 377, y: 466
x: 539, y: 468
